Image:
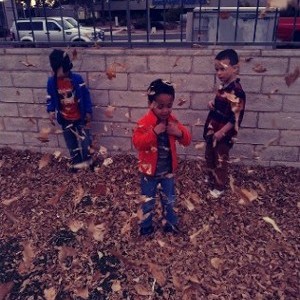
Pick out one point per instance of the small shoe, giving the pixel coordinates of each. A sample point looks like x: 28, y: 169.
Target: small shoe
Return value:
x: 216, y: 193
x: 146, y: 230
x: 169, y: 228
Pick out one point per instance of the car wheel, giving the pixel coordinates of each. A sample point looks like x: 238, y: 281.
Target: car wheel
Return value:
x: 79, y: 43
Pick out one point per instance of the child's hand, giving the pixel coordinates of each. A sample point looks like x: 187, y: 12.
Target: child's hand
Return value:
x: 211, y: 105
x: 173, y: 129
x: 219, y: 135
x: 160, y: 128
x: 52, y: 117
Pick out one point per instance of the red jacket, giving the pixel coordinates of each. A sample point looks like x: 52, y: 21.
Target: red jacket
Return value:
x: 145, y: 141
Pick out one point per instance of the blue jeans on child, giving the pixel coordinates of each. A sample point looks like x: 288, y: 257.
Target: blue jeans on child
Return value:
x: 149, y: 190
x: 78, y: 140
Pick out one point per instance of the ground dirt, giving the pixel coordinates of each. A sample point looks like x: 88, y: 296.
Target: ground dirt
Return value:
x: 75, y: 236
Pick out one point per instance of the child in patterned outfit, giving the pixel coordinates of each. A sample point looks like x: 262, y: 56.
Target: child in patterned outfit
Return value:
x: 69, y: 102
x: 155, y: 139
x: 224, y: 118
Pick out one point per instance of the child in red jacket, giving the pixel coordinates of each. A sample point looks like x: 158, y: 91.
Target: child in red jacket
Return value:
x: 155, y: 139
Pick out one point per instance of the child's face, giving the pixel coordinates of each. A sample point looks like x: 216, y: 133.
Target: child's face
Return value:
x: 162, y: 106
x: 225, y: 71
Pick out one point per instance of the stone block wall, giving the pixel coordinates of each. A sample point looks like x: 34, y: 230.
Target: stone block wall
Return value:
x: 270, y: 134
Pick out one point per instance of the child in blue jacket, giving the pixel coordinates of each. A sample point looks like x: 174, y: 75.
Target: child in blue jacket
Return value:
x: 69, y: 101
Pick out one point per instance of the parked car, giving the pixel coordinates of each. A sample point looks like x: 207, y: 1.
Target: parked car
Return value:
x: 288, y: 29
x: 100, y: 32
x: 54, y: 29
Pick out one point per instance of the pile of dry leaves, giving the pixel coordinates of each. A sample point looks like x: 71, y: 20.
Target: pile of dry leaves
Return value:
x: 75, y: 236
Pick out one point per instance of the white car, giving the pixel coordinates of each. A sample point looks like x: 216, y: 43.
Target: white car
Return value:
x: 50, y: 29
x: 100, y: 32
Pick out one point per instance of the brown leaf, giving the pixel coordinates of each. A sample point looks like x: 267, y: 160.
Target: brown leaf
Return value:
x: 272, y: 222
x: 111, y: 71
x: 44, y: 161
x: 44, y: 135
x: 250, y: 194
x: 82, y: 292
x: 292, y: 77
x: 5, y: 288
x: 216, y: 262
x: 181, y: 101
x: 258, y: 68
x: 98, y: 231
x: 142, y: 290
x: 74, y: 54
x: 27, y: 63
x: 116, y: 286
x: 99, y: 190
x: 8, y: 202
x: 62, y: 189
x: 75, y: 225
x: 50, y: 294
x: 28, y: 256
x: 248, y: 59
x: 157, y: 273
x: 79, y: 193
x: 109, y: 111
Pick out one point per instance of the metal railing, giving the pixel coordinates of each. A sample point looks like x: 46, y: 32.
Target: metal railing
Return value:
x: 178, y: 23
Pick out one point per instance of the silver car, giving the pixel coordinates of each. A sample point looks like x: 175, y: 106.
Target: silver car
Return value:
x: 50, y: 29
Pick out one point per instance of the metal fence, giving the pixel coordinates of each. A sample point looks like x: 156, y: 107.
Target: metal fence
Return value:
x: 149, y: 23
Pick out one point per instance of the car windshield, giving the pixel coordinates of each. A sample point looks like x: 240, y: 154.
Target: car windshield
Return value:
x: 72, y: 21
x: 65, y: 24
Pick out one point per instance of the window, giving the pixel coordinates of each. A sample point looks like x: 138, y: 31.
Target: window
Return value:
x: 36, y: 26
x: 52, y: 26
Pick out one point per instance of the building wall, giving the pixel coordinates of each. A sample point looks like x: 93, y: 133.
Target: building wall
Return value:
x: 271, y: 127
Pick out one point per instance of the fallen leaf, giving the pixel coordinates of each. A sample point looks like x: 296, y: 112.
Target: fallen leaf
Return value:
x: 82, y: 292
x: 44, y: 135
x: 79, y: 193
x: 5, y: 288
x: 74, y: 54
x: 8, y: 202
x: 216, y: 262
x: 292, y: 77
x: 181, y: 101
x: 200, y: 146
x: 75, y: 225
x: 250, y: 194
x: 61, y: 191
x: 248, y: 59
x: 107, y: 162
x: 56, y: 154
x: 98, y: 231
x: 157, y: 273
x: 116, y: 286
x: 189, y: 205
x: 272, y: 222
x: 27, y: 63
x: 44, y: 161
x: 50, y: 294
x: 109, y: 111
x: 142, y: 290
x: 103, y: 151
x: 111, y: 71
x: 258, y: 68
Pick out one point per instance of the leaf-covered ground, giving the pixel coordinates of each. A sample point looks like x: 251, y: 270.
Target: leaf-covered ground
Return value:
x: 75, y: 236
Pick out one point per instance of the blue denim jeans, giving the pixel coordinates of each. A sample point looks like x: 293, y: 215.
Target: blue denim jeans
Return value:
x: 167, y: 197
x: 77, y: 139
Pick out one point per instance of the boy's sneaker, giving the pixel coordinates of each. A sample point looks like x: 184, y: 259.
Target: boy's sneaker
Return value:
x: 146, y: 230
x: 216, y: 193
x: 169, y: 228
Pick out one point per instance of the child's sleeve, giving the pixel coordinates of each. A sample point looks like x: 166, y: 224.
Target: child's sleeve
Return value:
x: 186, y: 138
x: 49, y: 100
x: 144, y: 138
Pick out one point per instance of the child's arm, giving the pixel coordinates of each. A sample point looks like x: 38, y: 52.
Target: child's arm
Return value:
x: 144, y: 138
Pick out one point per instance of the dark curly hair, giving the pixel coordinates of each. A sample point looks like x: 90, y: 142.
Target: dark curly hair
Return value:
x: 158, y: 87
